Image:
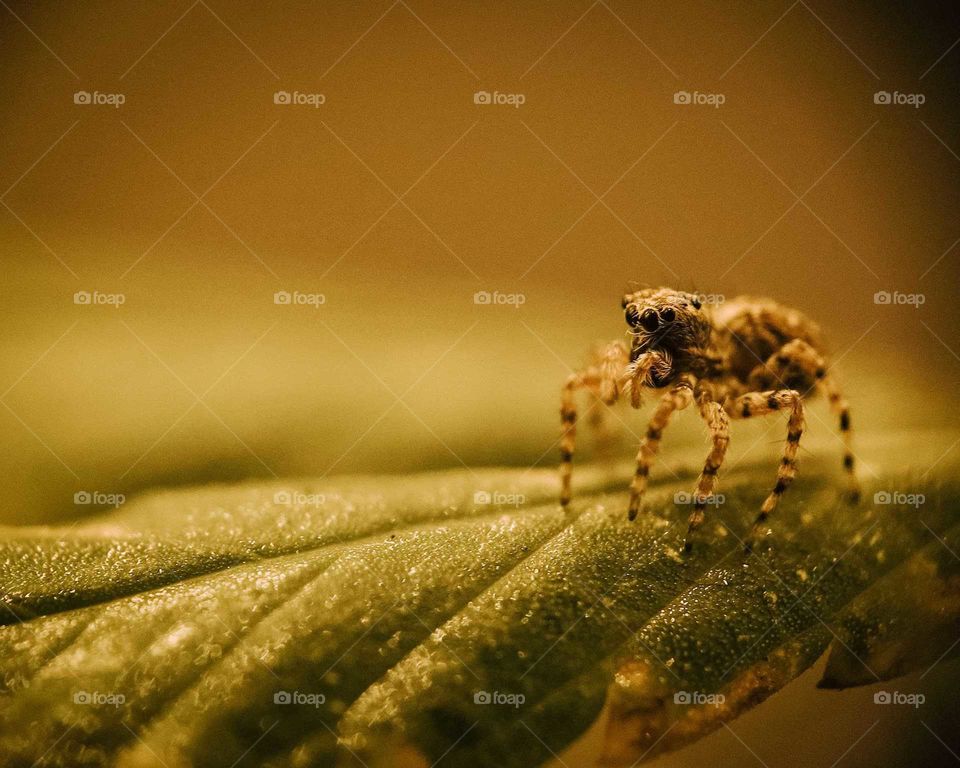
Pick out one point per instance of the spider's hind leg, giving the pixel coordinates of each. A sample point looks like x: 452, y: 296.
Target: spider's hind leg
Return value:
x: 838, y: 405
x: 761, y: 404
x: 798, y: 365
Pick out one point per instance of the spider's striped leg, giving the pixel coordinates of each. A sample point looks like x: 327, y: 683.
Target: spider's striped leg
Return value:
x: 568, y: 422
x: 838, y: 404
x: 603, y: 381
x: 796, y: 365
x: 610, y: 360
x: 797, y: 360
x: 761, y: 404
x: 606, y: 435
x: 676, y: 399
x: 716, y: 419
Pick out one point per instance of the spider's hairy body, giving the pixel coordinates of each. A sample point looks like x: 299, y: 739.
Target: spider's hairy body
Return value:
x: 746, y: 330
x: 746, y: 357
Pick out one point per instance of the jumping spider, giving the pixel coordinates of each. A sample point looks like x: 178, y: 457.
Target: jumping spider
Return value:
x: 743, y: 358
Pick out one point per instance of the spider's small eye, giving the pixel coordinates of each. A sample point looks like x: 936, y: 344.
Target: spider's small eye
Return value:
x: 649, y: 320
x: 696, y: 303
x: 632, y: 315
x: 668, y: 315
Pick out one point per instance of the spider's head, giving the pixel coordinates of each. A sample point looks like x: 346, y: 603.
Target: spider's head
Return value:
x: 669, y: 324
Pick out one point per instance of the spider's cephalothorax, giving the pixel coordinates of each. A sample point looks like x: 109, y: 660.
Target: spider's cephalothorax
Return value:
x: 670, y: 324
x: 738, y: 359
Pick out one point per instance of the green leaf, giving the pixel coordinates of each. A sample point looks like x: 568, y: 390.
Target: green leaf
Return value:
x: 383, y: 619
x: 877, y: 636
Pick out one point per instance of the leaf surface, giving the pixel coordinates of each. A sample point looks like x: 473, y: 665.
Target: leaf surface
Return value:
x: 402, y: 618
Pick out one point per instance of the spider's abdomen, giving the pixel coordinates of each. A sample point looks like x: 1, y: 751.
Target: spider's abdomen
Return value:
x: 751, y: 330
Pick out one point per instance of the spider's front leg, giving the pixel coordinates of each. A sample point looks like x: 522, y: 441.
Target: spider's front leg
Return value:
x: 716, y: 419
x: 676, y: 399
x: 604, y: 378
x: 760, y: 404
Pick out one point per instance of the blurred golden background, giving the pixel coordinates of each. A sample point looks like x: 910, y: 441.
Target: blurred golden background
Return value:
x: 399, y: 198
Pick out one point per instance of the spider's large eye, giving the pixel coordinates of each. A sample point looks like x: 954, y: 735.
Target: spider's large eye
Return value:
x: 668, y: 315
x: 649, y: 320
x: 632, y: 314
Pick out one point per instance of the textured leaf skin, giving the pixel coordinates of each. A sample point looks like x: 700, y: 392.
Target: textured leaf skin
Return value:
x: 399, y: 600
x: 909, y: 620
